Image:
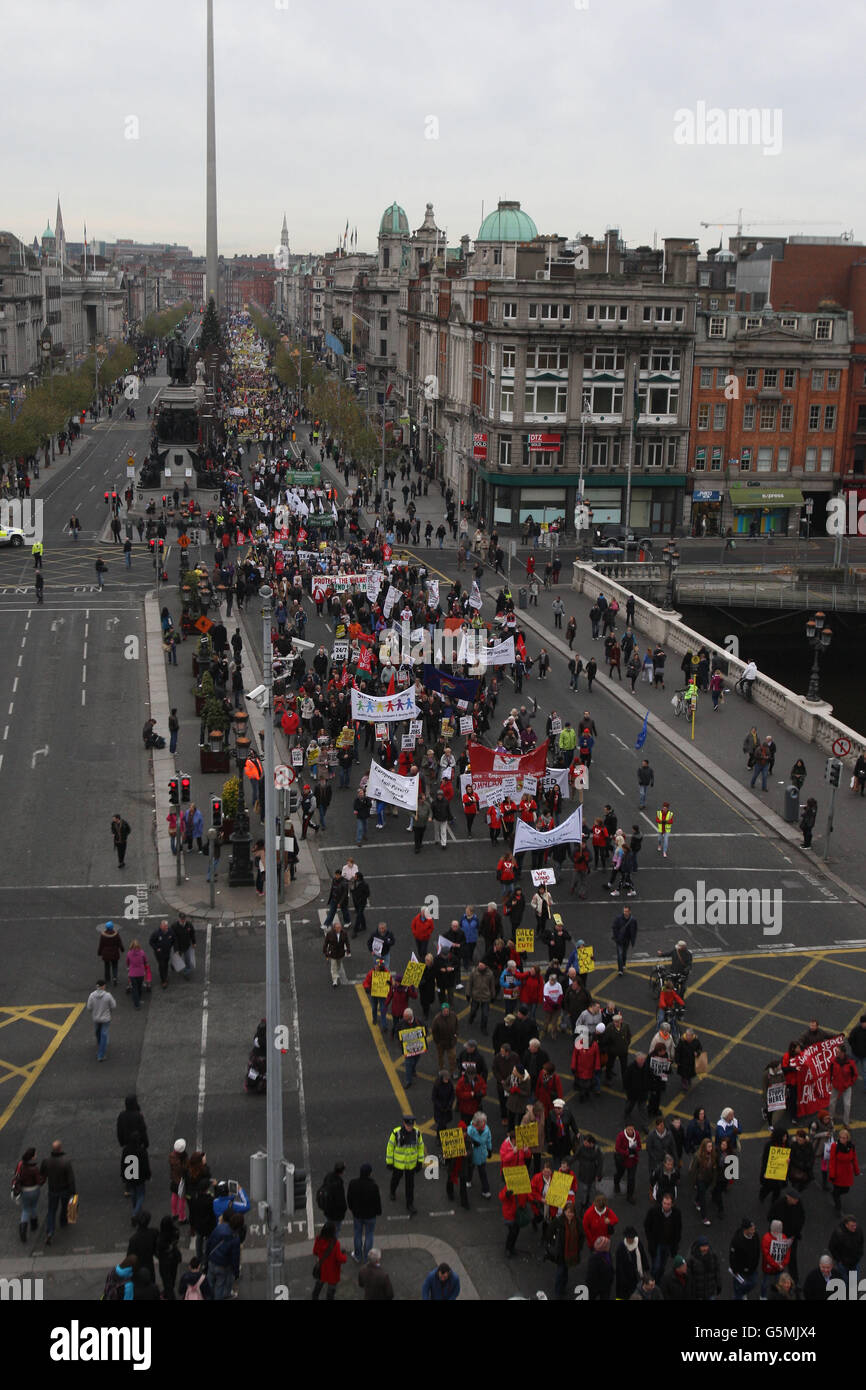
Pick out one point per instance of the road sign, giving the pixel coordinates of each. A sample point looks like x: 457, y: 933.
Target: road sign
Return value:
x: 183, y: 541
x: 841, y: 747
x: 809, y: 506
x: 203, y: 625
x: 284, y: 776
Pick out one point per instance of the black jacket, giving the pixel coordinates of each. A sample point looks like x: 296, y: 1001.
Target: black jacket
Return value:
x: 744, y: 1255
x: 130, y: 1121
x: 663, y: 1230
x: 334, y: 1207
x: 363, y: 1199
x: 846, y: 1246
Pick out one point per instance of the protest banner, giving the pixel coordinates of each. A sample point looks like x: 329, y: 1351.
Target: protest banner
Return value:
x: 543, y: 876
x: 453, y: 1143
x: 524, y: 940
x: 380, y: 984
x: 526, y: 1136
x: 517, y: 1179
x: 813, y: 1075
x: 412, y: 974
x: 585, y: 960
x: 383, y: 709
x: 558, y: 1189
x: 569, y: 832
x: 776, y: 1096
x: 413, y: 1041
x: 777, y: 1164
x: 393, y: 789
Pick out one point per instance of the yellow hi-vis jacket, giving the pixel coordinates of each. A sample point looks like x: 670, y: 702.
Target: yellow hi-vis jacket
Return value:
x: 664, y: 821
x: 405, y: 1149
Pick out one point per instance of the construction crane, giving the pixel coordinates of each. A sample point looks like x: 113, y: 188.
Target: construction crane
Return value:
x: 787, y: 222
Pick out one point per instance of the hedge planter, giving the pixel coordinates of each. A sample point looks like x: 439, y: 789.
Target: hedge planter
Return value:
x: 209, y: 761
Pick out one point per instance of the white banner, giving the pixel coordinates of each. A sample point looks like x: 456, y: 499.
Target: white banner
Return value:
x: 383, y: 709
x: 390, y: 599
x: 543, y: 876
x: 475, y: 596
x: 374, y: 584
x: 393, y: 789
x: 569, y: 832
x: 559, y: 776
x: 432, y: 593
x: 501, y: 653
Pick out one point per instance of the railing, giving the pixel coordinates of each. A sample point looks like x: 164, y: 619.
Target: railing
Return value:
x: 766, y: 595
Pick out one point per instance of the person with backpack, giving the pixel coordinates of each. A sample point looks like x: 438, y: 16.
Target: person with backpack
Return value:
x: 119, y: 1281
x: 223, y: 1258
x: 193, y: 1286
x: 26, y: 1182
x: 331, y: 1196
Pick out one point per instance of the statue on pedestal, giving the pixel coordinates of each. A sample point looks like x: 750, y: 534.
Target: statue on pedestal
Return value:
x: 177, y: 357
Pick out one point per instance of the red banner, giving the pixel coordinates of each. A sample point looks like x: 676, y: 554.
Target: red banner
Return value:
x: 813, y: 1076
x: 485, y: 760
x: 545, y: 443
x: 479, y: 446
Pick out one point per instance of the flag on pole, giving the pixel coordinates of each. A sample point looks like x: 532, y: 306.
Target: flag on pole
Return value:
x: 641, y: 738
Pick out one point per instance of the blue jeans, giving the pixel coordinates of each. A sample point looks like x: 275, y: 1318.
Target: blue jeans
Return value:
x: 378, y: 1007
x: 360, y: 831
x: 136, y: 984
x: 343, y: 776
x: 55, y: 1200
x: 762, y: 770
x: 861, y: 1067
x: 101, y: 1031
x: 380, y: 814
x: 172, y: 743
x: 128, y: 558
x: 659, y: 1260
x: 364, y: 1231
x: 29, y: 1203
x: 136, y: 1192
x: 621, y: 955
x: 410, y: 1068
x: 484, y: 1006
x: 322, y: 810
x: 742, y: 1290
x: 221, y: 1279
x: 642, y: 791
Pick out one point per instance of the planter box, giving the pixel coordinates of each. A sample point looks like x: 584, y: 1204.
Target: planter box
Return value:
x: 209, y: 761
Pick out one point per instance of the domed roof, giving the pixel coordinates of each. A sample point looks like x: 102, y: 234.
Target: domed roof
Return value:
x: 507, y: 223
x: 394, y: 221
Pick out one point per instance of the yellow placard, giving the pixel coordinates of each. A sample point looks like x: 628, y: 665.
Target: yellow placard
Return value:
x: 524, y: 940
x: 526, y: 1136
x: 557, y: 1192
x: 557, y: 919
x: 413, y: 973
x: 585, y: 960
x: 517, y: 1179
x: 346, y: 738
x: 777, y: 1164
x: 380, y: 984
x: 313, y: 754
x: 413, y: 1041
x: 453, y: 1143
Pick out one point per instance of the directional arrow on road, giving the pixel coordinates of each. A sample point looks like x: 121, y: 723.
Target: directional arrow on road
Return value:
x: 58, y: 622
x: 110, y: 623
x: 36, y: 755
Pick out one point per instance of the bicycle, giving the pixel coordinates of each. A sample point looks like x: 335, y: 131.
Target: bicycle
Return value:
x: 682, y: 706
x: 743, y: 688
x: 660, y: 975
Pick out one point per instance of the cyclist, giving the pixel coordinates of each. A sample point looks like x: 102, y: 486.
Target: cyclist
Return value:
x: 668, y: 999
x: 748, y: 678
x: 681, y: 960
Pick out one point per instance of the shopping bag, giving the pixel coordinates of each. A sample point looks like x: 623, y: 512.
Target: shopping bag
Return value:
x: 72, y: 1210
x: 702, y: 1062
x: 177, y: 961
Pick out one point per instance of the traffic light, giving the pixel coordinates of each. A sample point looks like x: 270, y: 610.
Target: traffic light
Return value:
x: 173, y: 791
x: 164, y: 500
x: 833, y: 772
x: 107, y: 495
x: 216, y: 808
x: 185, y: 785
x: 296, y: 1188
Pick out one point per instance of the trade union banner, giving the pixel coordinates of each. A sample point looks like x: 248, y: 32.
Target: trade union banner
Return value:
x: 383, y: 709
x: 500, y: 654
x: 485, y: 760
x: 383, y: 785
x: 569, y: 832
x: 326, y: 584
x: 813, y: 1076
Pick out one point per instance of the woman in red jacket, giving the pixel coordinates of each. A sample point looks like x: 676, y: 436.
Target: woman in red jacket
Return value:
x: 843, y: 1168
x: 585, y: 1062
x: 516, y: 1213
x: 548, y: 1087
x: 531, y: 988
x: 329, y: 1257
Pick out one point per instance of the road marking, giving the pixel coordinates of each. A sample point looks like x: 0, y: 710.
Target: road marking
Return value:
x: 6, y: 733
x: 379, y: 1044
x: 11, y: 706
x: 302, y: 1098
x: 83, y: 697
x: 15, y: 685
x: 648, y: 821
x: 20, y: 659
x: 32, y: 1070
x: 614, y: 785
x: 84, y: 653
x: 202, y: 1071
x: 619, y: 740
x: 24, y: 641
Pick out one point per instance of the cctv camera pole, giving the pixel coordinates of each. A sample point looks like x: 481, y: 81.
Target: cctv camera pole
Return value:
x: 275, y: 1165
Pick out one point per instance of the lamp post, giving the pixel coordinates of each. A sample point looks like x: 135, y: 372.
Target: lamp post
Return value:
x: 819, y: 638
x: 672, y: 559
x: 240, y: 864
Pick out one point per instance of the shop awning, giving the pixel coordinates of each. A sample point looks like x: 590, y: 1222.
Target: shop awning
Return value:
x: 767, y: 497
x: 705, y: 495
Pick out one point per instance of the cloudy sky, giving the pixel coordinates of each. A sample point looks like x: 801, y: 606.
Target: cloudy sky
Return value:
x: 593, y: 113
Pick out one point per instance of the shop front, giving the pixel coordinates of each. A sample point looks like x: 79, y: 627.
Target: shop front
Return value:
x: 766, y: 511
x: 706, y: 515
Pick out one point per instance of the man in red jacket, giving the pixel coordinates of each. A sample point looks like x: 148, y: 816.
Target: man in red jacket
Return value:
x: 843, y: 1074
x: 422, y: 929
x: 470, y: 807
x: 598, y: 1220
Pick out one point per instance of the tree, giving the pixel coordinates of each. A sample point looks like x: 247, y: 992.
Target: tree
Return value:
x: 210, y: 335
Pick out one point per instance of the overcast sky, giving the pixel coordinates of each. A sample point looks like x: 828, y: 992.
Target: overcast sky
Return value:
x: 324, y: 107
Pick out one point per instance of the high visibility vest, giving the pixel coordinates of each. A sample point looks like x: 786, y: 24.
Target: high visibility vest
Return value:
x: 253, y: 768
x: 405, y: 1151
x: 664, y: 821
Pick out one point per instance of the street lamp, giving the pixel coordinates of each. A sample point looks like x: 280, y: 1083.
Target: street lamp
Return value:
x: 671, y: 558
x: 585, y: 419
x: 819, y: 638
x: 240, y: 864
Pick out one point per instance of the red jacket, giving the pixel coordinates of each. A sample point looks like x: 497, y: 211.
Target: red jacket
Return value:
x: 509, y: 1156
x: 505, y: 870
x: 844, y: 1167
x: 330, y: 1262
x: 842, y: 1075
x: 531, y: 988
x: 470, y: 1094
x: 547, y: 1091
x: 585, y: 1061
x: 510, y: 1203
x: 628, y: 1153
x: 598, y: 1223
x: 768, y: 1264
x: 422, y: 929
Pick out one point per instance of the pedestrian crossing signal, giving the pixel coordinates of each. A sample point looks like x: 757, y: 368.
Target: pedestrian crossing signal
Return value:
x: 216, y: 807
x: 173, y: 791
x: 185, y: 785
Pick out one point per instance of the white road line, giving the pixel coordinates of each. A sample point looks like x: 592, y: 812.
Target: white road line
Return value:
x: 12, y: 706
x: 202, y: 1070
x: 649, y: 822
x: 84, y: 653
x: 24, y: 641
x: 302, y: 1100
x: 20, y: 659
x: 6, y: 733
x: 1, y: 759
x: 619, y: 740
x: 84, y: 675
x: 83, y: 697
x: 614, y: 785
x: 15, y: 685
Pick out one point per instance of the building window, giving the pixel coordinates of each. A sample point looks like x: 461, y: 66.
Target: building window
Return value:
x: 767, y: 416
x: 665, y: 360
x: 717, y: 327
x: 745, y: 460
x: 811, y: 460
x: 814, y: 417
x: 706, y: 378
x: 752, y: 322
x: 824, y: 330
x: 383, y: 347
x: 826, y: 460
x: 732, y: 303
x: 786, y: 415
x: 664, y: 313
x: 714, y: 304
x: 509, y: 357
x: 789, y: 379
x: 829, y: 417
x: 599, y: 453
x: 663, y: 400
x: 383, y: 323
x: 765, y: 459
x: 509, y: 310
x: 817, y: 380
x: 494, y: 311
x: 590, y: 313
x: 653, y: 453
x: 861, y: 419
x: 771, y: 378
x: 704, y: 278
x: 719, y: 415
x: 784, y: 459
x: 749, y: 415
x: 603, y: 359
x: 605, y: 400
x: 679, y: 315
x: 700, y: 460
x: 545, y: 400
x: 751, y: 377
x: 548, y: 358
x: 716, y: 460
x: 704, y: 415
x: 550, y: 311
x: 506, y: 401
x: 671, y: 451
x: 533, y: 311
x: 386, y: 258
x: 566, y: 311
x: 497, y: 255
x: 608, y: 312
x: 832, y: 381
x: 505, y: 451
x: 788, y: 322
